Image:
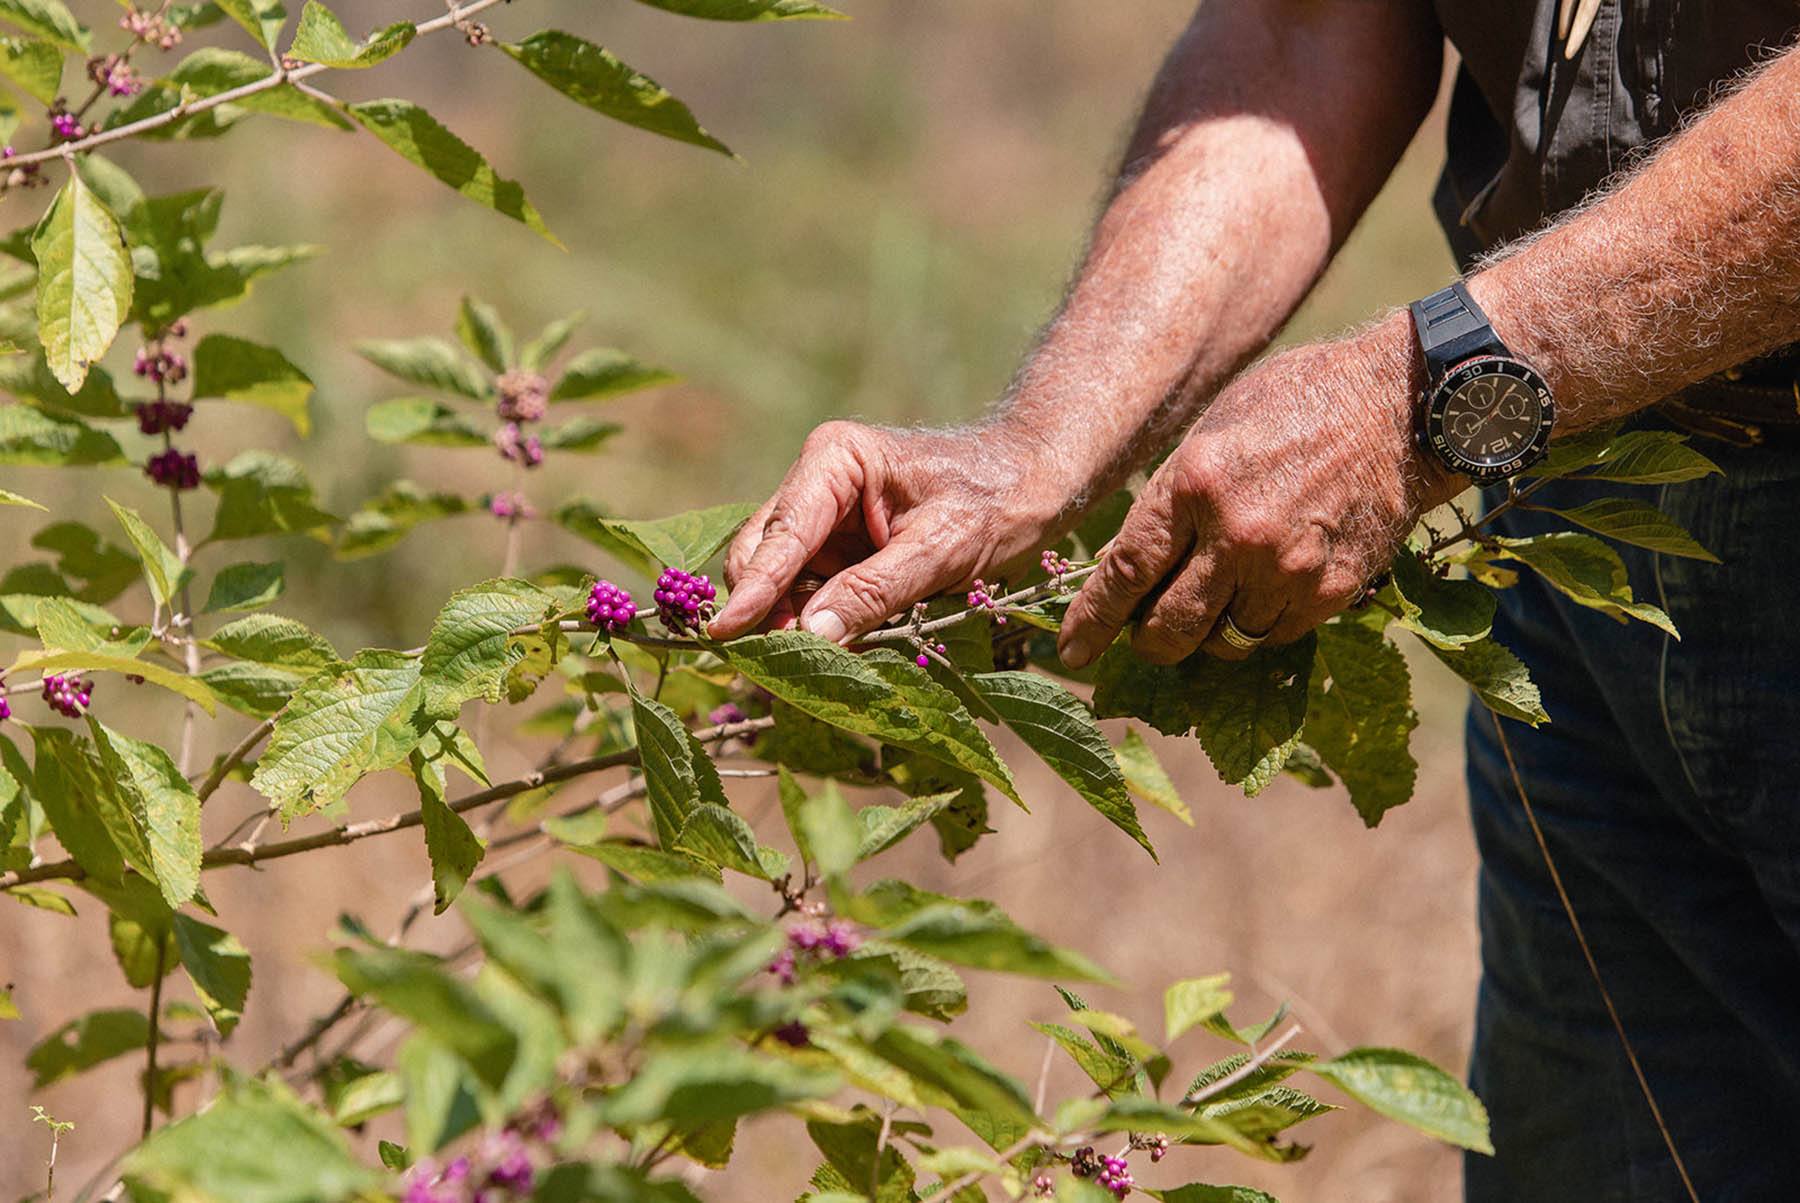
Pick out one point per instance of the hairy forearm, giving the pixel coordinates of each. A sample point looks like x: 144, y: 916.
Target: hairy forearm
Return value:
x: 1690, y: 265
x: 1270, y: 128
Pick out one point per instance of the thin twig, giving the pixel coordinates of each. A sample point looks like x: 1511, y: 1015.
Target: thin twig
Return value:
x: 1043, y: 1078
x: 150, y: 1041
x: 235, y: 757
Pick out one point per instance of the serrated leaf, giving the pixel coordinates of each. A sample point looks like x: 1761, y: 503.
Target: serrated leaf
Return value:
x: 162, y: 567
x: 880, y: 694
x: 1146, y: 777
x: 1246, y: 713
x: 424, y: 422
x: 1109, y: 1071
x: 163, y: 804
x: 716, y: 835
x: 218, y: 966
x: 1587, y: 572
x: 703, y: 1084
x: 335, y: 729
x: 1638, y: 523
x: 36, y: 66
x: 431, y: 362
x: 262, y: 493
x: 1408, y: 1088
x: 885, y: 826
x: 1199, y: 1192
x: 1359, y: 716
x: 86, y: 817
x: 454, y: 850
x: 1194, y: 1001
x: 472, y: 647
x: 261, y: 19
x: 686, y: 541
x: 979, y: 1089
x: 84, y: 281
x: 479, y: 327
x: 541, y: 350
x: 581, y: 435
x: 1499, y: 679
x: 237, y: 369
x: 188, y: 687
x: 419, y: 988
x: 604, y: 372
x: 8, y: 498
x: 385, y: 520
x: 748, y: 10
x: 321, y: 38
x: 678, y: 774
x: 595, y: 78
x: 1648, y: 457
x: 1058, y: 726
x: 212, y: 70
x: 257, y: 690
x: 1444, y: 612
x: 81, y: 1044
x: 30, y: 436
x: 420, y: 139
x: 987, y: 940
x: 28, y: 377
x: 273, y: 639
x: 246, y: 587
x: 49, y: 19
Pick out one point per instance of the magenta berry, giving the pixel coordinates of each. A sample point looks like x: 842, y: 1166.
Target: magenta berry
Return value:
x: 151, y: 29
x: 161, y: 417
x: 516, y: 446
x: 173, y: 469
x: 984, y: 597
x: 683, y: 600
x: 68, y: 696
x: 159, y: 364
x: 782, y: 967
x: 1115, y: 1176
x: 1043, y: 1186
x: 524, y: 396
x: 1158, y: 1146
x: 725, y: 714
x: 841, y: 938
x: 510, y: 505
x: 923, y: 660
x: 5, y: 710
x: 65, y: 125
x: 793, y: 1034
x: 116, y: 75
x: 609, y: 607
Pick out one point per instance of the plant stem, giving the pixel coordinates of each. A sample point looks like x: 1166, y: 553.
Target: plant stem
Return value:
x: 150, y: 1041
x: 235, y: 757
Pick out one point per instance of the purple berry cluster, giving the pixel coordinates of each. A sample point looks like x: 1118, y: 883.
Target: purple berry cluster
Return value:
x: 160, y: 364
x: 65, y: 125
x: 984, y: 597
x: 115, y: 74
x: 524, y: 396
x: 1158, y: 1146
x: 151, y: 28
x: 68, y: 696
x: 818, y: 940
x: 517, y: 447
x: 1115, y: 1176
x: 609, y: 607
x: 174, y: 469
x: 502, y: 1169
x: 923, y: 659
x: 684, y: 600
x: 726, y: 713
x: 161, y: 417
x: 1043, y: 1186
x: 5, y: 710
x: 1055, y: 564
x: 510, y: 505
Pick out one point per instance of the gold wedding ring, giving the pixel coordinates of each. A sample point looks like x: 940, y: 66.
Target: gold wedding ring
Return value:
x: 1231, y: 633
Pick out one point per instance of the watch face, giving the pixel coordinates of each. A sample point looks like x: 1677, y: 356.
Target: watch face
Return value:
x: 1490, y: 418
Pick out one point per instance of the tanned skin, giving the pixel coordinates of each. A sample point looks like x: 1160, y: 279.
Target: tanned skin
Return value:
x: 1270, y: 128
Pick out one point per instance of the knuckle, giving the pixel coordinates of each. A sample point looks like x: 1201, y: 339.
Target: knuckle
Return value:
x: 1255, y: 530
x: 1129, y: 571
x: 856, y: 596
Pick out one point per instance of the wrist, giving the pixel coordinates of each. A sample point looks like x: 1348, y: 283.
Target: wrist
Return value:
x: 1395, y: 380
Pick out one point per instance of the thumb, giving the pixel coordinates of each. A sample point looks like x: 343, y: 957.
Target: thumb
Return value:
x: 864, y: 595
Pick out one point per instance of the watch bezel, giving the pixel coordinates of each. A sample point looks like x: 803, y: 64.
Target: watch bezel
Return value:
x: 1438, y: 400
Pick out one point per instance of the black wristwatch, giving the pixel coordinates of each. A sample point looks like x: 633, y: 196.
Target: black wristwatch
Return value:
x: 1485, y: 414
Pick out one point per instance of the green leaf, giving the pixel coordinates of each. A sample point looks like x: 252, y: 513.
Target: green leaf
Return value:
x: 84, y: 281
x: 748, y: 10
x: 81, y: 1044
x: 959, y: 1072
x: 154, y: 674
x: 419, y: 988
x: 541, y: 350
x: 218, y: 966
x: 236, y: 369
x: 257, y: 690
x: 829, y: 832
x: 604, y: 372
x: 1443, y: 612
x: 42, y: 899
x: 34, y: 65
x: 1408, y: 1088
x: 479, y: 327
x: 28, y: 377
x: 272, y: 639
x: 1247, y: 713
x: 1638, y: 523
x: 1640, y: 457
x: 257, y: 1144
x: 1194, y: 1001
x: 1198, y: 1192
x: 8, y: 498
x: 246, y: 587
x: 580, y: 435
x: 1586, y: 571
x: 1110, y: 1071
x: 321, y: 38
x: 1499, y: 679
x: 385, y: 520
x: 885, y: 826
x: 30, y: 436
x: 162, y: 567
x: 47, y: 19
x: 453, y: 848
x: 678, y: 774
x: 702, y: 1084
x: 262, y: 493
x: 346, y: 721
x: 1359, y: 717
x: 1146, y: 777
x: 430, y: 362
x: 417, y: 137
x: 424, y: 422
x: 163, y: 804
x: 719, y: 837
x: 8, y: 1009
x: 472, y: 647
x: 880, y: 694
x: 212, y: 70
x: 1058, y: 726
x: 262, y: 19
x: 595, y: 78
x: 686, y: 541
x: 980, y: 938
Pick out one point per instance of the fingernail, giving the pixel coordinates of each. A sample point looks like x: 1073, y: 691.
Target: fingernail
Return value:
x: 827, y: 625
x: 1078, y: 652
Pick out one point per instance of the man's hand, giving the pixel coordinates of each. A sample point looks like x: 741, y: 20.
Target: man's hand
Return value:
x: 887, y: 517
x: 1287, y: 496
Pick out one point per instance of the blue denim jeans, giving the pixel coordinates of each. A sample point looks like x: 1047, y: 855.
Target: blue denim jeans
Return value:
x: 1668, y: 785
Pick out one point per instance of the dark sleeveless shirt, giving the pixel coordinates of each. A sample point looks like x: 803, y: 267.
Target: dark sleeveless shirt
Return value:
x: 1532, y: 132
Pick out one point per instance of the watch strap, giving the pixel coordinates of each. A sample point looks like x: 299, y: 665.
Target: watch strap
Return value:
x: 1452, y: 328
